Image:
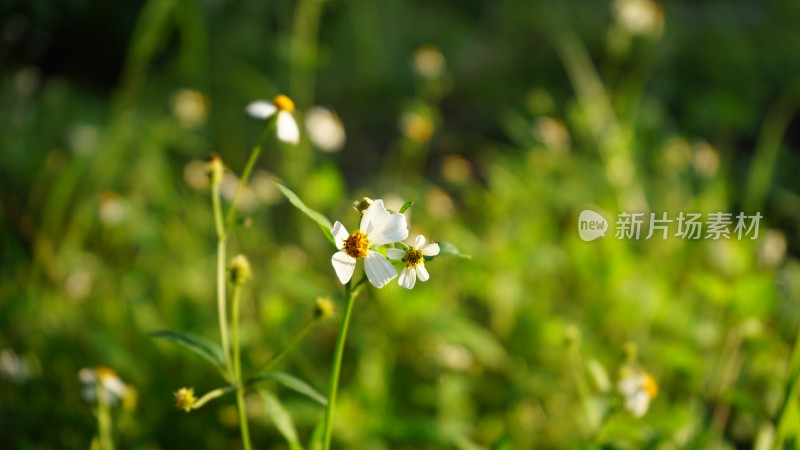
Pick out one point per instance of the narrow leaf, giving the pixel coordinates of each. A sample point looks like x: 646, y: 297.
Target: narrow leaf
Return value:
x: 405, y: 206
x: 315, y: 443
x: 276, y: 413
x: 197, y: 345
x: 292, y: 383
x: 448, y: 249
x: 321, y: 220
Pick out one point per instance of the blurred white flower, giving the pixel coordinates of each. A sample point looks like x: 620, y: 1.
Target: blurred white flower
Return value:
x: 454, y: 356
x: 414, y: 261
x: 113, y: 387
x: 642, y: 17
x: 195, y: 174
x: 429, y: 61
x: 286, y: 126
x: 229, y: 186
x: 112, y: 209
x: 83, y: 139
x: 706, y: 159
x: 553, y: 133
x: 12, y: 367
x: 190, y: 107
x: 325, y: 129
x: 772, y: 250
x: 378, y: 227
x: 637, y: 388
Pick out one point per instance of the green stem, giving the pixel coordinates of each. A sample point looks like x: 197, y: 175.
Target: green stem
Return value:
x: 296, y: 339
x: 104, y: 418
x: 237, y: 369
x: 792, y: 390
x: 248, y: 168
x: 221, y: 302
x: 211, y: 395
x: 349, y: 296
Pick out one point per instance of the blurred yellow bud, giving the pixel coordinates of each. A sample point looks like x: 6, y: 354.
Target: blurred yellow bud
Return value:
x: 240, y: 270
x: 215, y: 169
x: 185, y: 399
x: 323, y: 308
x: 417, y: 127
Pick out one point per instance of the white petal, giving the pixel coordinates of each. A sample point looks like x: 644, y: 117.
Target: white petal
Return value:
x: 638, y: 403
x: 344, y: 265
x: 381, y: 226
x: 422, y: 272
x: 431, y: 249
x: 115, y: 386
x: 340, y: 234
x: 407, y: 278
x: 379, y: 270
x: 261, y: 109
x: 374, y: 216
x: 287, y: 128
x: 419, y: 242
x: 395, y: 253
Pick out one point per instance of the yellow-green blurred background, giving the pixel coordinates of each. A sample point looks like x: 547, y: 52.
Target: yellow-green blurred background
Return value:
x: 502, y: 120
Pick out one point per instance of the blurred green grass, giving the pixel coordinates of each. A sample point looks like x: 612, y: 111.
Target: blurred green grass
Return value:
x: 542, y: 111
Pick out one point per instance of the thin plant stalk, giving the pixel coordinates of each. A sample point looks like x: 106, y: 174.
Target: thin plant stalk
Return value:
x: 221, y: 301
x: 349, y: 297
x: 104, y: 418
x: 296, y: 339
x: 237, y: 368
x: 248, y: 169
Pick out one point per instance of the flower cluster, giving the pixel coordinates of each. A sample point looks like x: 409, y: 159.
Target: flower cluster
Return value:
x: 379, y: 227
x: 637, y: 388
x: 105, y: 380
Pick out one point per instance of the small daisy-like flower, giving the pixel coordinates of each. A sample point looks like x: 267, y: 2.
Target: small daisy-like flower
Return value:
x: 113, y: 387
x: 414, y: 261
x: 637, y: 388
x: 286, y: 126
x: 378, y: 227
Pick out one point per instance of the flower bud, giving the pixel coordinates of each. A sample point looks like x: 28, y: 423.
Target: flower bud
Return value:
x: 361, y: 205
x: 215, y: 169
x: 185, y: 399
x: 240, y: 270
x: 323, y: 308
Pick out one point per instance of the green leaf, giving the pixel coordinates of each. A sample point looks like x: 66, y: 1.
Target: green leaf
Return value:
x: 448, y: 249
x: 276, y: 413
x: 293, y: 383
x: 209, y: 351
x: 405, y: 206
x: 321, y: 220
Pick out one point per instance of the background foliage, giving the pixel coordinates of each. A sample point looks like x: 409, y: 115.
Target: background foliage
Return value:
x: 541, y: 110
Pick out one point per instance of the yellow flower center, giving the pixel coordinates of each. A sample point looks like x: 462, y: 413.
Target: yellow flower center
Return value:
x: 284, y: 103
x: 650, y: 385
x: 356, y: 245
x: 413, y: 258
x: 104, y: 373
